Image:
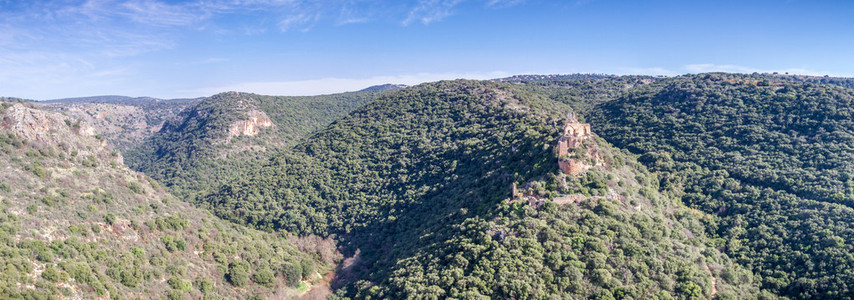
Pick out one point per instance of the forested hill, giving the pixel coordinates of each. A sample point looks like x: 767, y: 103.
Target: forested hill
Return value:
x: 771, y: 158
x: 417, y: 186
x: 226, y: 134
x: 75, y: 223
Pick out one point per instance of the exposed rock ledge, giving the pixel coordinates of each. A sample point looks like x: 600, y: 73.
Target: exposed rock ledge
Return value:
x: 251, y: 126
x: 39, y: 125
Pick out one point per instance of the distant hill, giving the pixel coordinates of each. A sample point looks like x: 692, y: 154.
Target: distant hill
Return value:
x: 225, y: 134
x: 112, y: 99
x: 76, y: 223
x: 383, y: 87
x: 552, y: 77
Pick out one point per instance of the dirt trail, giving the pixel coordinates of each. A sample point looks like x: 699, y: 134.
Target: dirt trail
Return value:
x: 714, y: 282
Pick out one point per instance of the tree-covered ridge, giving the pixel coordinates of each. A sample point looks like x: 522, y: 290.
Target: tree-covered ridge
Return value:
x: 553, y: 77
x: 76, y: 223
x: 196, y: 151
x: 417, y: 185
x: 772, y: 159
x: 582, y: 92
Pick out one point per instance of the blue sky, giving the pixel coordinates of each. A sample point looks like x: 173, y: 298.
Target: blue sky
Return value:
x: 168, y: 49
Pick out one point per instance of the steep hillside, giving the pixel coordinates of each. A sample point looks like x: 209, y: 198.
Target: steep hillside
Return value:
x: 419, y: 187
x: 583, y: 92
x: 226, y: 134
x: 771, y: 158
x: 123, y: 121
x: 76, y: 223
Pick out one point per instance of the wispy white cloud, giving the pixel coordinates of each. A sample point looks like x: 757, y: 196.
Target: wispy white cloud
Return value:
x: 162, y: 14
x: 503, y: 3
x: 335, y: 85
x: 302, y: 22
x: 93, y: 43
x: 429, y: 11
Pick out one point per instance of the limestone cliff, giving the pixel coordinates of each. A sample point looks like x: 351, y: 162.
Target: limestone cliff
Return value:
x: 44, y: 128
x: 41, y: 125
x: 251, y: 126
x: 122, y: 124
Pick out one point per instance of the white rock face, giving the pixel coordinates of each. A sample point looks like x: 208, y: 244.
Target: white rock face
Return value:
x: 251, y: 126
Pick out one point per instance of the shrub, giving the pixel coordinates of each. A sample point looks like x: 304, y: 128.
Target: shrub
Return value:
x: 173, y: 244
x: 238, y: 275
x: 175, y: 283
x: 136, y: 188
x: 50, y: 274
x: 264, y: 277
x: 292, y: 273
x: 110, y: 218
x: 175, y: 295
x: 204, y: 285
x: 307, y: 268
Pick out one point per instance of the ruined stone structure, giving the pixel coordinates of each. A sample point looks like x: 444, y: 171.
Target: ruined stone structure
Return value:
x: 574, y: 134
x: 574, y: 157
x: 573, y: 166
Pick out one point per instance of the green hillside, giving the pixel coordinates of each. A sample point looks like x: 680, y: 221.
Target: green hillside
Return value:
x: 75, y: 223
x: 771, y: 158
x: 201, y: 148
x: 416, y: 186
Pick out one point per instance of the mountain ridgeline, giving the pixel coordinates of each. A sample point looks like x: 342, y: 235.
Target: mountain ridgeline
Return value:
x: 416, y: 186
x: 705, y: 186
x: 227, y: 134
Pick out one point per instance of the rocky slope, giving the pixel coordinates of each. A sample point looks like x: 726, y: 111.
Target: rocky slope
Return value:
x: 76, y: 223
x: 124, y: 123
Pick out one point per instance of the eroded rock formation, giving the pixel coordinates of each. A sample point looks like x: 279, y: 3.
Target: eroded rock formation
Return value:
x: 251, y: 126
x: 39, y: 125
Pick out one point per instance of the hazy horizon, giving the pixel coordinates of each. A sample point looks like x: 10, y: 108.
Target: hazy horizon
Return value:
x: 186, y: 49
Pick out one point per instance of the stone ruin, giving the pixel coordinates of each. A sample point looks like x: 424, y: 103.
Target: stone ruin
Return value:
x: 572, y: 156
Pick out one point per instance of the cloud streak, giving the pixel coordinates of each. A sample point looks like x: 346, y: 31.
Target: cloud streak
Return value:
x: 429, y: 11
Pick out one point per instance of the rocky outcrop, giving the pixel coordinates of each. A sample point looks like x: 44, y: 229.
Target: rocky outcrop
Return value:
x: 251, y: 126
x: 122, y: 125
x: 43, y: 126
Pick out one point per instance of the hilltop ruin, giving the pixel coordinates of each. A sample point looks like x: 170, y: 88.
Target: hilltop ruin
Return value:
x: 573, y: 158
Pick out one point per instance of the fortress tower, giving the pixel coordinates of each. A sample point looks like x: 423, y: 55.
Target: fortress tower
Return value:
x: 574, y: 134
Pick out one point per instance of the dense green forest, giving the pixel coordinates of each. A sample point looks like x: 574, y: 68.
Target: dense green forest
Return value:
x: 76, y: 223
x: 716, y: 185
x: 195, y: 151
x: 417, y: 186
x: 772, y: 159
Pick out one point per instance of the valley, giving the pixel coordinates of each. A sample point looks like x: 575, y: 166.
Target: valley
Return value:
x: 704, y: 186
